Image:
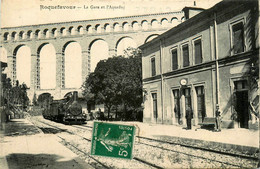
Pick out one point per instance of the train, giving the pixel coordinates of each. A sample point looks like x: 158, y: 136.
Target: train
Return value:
x: 66, y: 110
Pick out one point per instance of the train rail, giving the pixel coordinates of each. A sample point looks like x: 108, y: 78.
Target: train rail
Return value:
x: 45, y: 130
x: 161, y: 142
x: 167, y: 146
x: 190, y: 146
x: 140, y: 160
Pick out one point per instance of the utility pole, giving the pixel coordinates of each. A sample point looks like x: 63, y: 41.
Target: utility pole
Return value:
x: 216, y: 59
x: 162, y: 80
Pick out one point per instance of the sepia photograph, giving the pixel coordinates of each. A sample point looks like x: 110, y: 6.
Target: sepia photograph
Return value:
x: 135, y: 84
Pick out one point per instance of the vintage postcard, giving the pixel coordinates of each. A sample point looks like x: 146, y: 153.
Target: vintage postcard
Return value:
x: 129, y: 84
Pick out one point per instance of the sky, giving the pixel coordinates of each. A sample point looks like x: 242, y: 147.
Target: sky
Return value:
x: 31, y: 12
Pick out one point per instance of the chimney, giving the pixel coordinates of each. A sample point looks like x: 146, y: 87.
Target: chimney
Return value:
x: 75, y: 96
x: 191, y: 11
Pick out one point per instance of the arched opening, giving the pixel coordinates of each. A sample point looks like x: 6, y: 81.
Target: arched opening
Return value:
x: 81, y: 30
x: 123, y: 44
x: 98, y: 28
x: 14, y: 36
x: 144, y: 25
x: 72, y: 30
x: 89, y: 29
x: 6, y: 36
x: 174, y: 21
x: 23, y: 64
x: 135, y: 25
x: 46, y: 33
x: 165, y: 23
x: 107, y: 28
x: 21, y: 35
x: 155, y: 24
x: 73, y: 65
x: 54, y: 32
x: 29, y: 34
x: 63, y: 31
x: 47, y: 66
x: 151, y: 37
x: 38, y: 34
x: 116, y: 27
x: 98, y: 51
x: 125, y: 26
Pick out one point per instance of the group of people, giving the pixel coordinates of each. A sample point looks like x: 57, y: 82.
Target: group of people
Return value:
x: 189, y: 117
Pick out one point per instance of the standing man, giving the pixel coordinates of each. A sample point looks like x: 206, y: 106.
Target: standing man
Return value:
x: 189, y: 116
x: 218, y: 119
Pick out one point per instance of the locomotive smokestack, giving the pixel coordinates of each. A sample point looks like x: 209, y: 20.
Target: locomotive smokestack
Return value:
x: 75, y: 96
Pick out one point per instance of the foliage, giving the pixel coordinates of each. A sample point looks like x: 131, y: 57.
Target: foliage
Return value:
x: 16, y: 95
x: 117, y: 83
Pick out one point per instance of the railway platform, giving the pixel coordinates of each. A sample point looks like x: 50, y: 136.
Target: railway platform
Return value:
x: 239, y: 141
x: 22, y: 145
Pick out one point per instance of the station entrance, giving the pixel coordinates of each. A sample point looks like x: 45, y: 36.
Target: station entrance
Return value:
x: 241, y: 103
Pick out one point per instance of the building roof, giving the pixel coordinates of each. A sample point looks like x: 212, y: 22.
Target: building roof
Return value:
x: 197, y: 18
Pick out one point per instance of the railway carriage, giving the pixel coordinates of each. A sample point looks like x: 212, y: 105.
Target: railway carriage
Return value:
x: 65, y: 110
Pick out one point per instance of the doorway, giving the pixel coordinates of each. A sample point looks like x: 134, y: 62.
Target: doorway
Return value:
x: 200, y: 103
x: 242, y: 108
x: 241, y: 103
x: 155, y: 107
x: 177, y: 112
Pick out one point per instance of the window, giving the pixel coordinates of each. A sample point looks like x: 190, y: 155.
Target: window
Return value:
x: 153, y: 66
x: 240, y: 85
x: 238, y: 38
x: 198, y: 51
x: 185, y: 54
x: 155, y: 112
x: 174, y: 59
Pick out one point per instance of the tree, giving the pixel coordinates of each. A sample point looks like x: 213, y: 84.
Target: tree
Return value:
x: 15, y: 97
x: 117, y: 82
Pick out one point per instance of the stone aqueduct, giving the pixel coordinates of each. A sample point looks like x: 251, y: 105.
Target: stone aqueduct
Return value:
x: 140, y: 28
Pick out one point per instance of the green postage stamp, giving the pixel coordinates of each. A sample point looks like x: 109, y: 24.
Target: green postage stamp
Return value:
x: 112, y: 140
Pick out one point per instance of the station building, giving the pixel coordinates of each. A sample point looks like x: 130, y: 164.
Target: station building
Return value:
x: 209, y: 60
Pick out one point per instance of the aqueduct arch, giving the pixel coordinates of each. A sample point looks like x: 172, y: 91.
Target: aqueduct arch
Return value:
x: 85, y: 32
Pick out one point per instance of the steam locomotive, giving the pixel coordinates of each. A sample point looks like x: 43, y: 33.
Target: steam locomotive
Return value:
x: 66, y: 110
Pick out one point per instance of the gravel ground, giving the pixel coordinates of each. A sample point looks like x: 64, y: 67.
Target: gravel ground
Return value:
x: 161, y: 154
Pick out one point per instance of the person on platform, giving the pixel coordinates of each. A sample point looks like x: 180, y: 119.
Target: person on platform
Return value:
x: 189, y: 116
x: 101, y: 114
x: 218, y: 119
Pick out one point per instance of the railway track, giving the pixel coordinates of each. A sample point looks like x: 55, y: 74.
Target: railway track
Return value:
x: 102, y: 165
x: 188, y: 146
x: 48, y: 130
x: 169, y: 147
x: 161, y: 145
